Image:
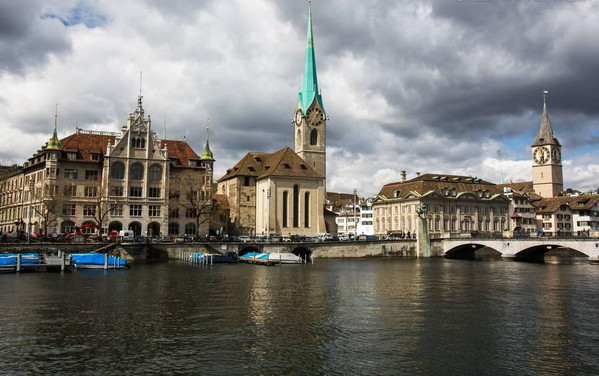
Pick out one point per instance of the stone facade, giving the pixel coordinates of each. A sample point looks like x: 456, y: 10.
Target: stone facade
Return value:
x: 105, y: 180
x: 454, y: 205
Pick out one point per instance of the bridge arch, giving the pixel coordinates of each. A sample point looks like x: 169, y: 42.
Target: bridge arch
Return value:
x: 248, y: 248
x: 539, y: 251
x: 304, y: 252
x: 468, y: 251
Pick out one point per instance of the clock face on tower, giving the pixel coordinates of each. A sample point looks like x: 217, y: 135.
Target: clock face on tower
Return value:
x: 314, y: 116
x: 556, y: 156
x: 541, y: 155
x: 298, y: 117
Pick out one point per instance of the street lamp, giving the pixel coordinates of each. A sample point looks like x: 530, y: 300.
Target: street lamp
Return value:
x: 29, y: 211
x: 268, y: 194
x: 355, y: 223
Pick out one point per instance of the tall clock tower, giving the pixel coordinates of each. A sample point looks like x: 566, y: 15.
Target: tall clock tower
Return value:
x: 547, y: 177
x: 310, y: 121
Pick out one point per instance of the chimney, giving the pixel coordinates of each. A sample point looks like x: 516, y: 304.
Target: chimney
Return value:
x: 418, y: 174
x: 403, y: 176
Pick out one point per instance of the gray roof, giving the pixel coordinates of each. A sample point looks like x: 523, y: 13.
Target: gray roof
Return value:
x: 545, y: 136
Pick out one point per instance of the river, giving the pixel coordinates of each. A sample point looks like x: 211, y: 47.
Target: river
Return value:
x: 337, y: 317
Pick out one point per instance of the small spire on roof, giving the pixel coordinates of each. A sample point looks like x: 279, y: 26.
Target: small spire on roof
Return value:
x: 54, y: 143
x: 164, y: 135
x: 207, y: 153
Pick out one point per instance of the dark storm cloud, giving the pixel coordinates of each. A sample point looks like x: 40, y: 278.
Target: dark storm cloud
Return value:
x: 26, y: 38
x: 464, y: 90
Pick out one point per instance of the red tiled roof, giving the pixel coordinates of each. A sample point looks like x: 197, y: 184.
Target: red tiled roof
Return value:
x: 179, y: 150
x: 85, y: 144
x: 284, y: 162
x: 435, y: 183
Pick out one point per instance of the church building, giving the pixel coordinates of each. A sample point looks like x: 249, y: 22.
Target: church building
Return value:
x: 284, y: 192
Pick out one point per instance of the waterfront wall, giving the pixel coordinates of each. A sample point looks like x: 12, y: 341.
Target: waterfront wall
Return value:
x: 156, y: 252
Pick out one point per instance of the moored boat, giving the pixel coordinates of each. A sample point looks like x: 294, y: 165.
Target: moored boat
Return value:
x: 271, y: 258
x: 97, y: 261
x: 8, y: 261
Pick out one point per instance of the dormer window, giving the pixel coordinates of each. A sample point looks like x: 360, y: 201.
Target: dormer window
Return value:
x: 479, y: 193
x: 71, y: 156
x: 303, y: 167
x: 251, y: 169
x: 287, y: 166
x: 396, y: 193
x: 487, y: 194
x: 95, y: 157
x: 445, y: 191
x: 193, y: 162
x: 453, y: 192
x: 258, y: 159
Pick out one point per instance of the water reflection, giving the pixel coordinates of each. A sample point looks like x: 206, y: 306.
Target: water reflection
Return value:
x: 384, y: 316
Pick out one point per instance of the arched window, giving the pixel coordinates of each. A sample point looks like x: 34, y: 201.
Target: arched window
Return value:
x: 117, y: 170
x: 299, y: 137
x: 190, y: 229
x: 132, y: 142
x: 295, y: 206
x: 67, y: 226
x: 143, y: 143
x: 314, y: 137
x: 307, y: 210
x: 155, y: 173
x: 137, y: 172
x: 173, y: 228
x: 285, y: 209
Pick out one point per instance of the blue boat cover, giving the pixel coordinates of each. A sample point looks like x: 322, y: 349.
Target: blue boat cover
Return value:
x: 95, y: 259
x: 26, y: 258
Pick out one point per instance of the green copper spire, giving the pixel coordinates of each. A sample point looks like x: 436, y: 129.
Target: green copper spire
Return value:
x: 207, y: 153
x: 310, y: 82
x: 54, y: 143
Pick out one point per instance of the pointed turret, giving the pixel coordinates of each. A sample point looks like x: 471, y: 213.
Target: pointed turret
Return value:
x: 310, y: 81
x: 545, y: 135
x: 207, y: 153
x: 54, y: 143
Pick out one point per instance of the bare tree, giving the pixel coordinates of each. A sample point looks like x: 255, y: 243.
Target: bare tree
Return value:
x: 194, y: 196
x: 48, y: 202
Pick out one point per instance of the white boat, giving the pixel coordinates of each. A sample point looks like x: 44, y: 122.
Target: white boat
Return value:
x: 284, y: 258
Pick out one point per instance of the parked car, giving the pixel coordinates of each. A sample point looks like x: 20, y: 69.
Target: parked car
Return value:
x: 140, y: 239
x: 245, y: 239
x: 326, y: 237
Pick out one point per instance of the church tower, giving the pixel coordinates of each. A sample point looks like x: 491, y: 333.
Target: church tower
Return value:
x: 547, y: 175
x: 310, y: 120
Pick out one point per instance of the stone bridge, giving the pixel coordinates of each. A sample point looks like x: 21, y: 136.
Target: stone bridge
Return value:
x: 308, y: 250
x: 516, y: 248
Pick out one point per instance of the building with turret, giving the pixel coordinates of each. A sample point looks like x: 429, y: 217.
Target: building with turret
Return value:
x: 111, y: 181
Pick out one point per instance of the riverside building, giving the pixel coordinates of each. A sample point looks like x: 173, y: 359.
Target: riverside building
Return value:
x: 453, y: 205
x: 111, y: 181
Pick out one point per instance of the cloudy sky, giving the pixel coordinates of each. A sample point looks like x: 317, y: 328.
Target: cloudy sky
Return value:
x: 439, y: 86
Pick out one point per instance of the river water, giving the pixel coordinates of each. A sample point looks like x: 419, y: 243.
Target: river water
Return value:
x: 337, y: 317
